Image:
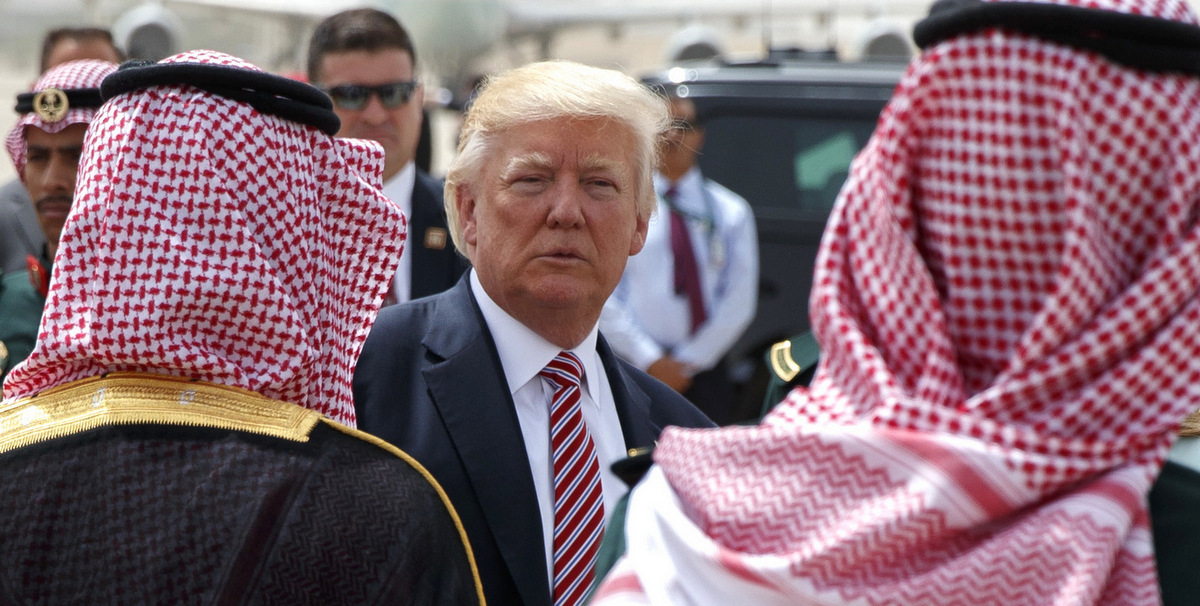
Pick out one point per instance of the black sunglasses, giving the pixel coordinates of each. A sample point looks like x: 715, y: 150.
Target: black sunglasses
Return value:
x: 355, y: 96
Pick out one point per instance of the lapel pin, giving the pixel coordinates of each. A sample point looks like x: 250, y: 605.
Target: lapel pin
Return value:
x: 435, y: 238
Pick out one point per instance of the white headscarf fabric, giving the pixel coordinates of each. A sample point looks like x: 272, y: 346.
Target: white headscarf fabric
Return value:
x: 211, y: 241
x: 87, y: 73
x: 1007, y: 299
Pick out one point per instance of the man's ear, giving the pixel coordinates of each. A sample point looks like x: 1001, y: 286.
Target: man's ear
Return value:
x: 639, y: 234
x: 465, y: 201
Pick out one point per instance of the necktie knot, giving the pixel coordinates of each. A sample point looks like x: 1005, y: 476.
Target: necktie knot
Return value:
x: 565, y: 370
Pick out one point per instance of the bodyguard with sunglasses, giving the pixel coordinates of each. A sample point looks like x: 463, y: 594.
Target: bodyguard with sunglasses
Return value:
x: 365, y: 60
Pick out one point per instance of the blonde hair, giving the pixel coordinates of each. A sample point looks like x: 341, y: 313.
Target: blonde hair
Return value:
x: 551, y: 90
x: 1191, y: 425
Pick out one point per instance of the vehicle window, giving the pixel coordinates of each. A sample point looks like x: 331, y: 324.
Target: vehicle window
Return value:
x: 794, y: 166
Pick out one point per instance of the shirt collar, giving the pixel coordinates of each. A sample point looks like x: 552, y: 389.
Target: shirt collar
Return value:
x: 400, y: 188
x: 524, y: 353
x: 689, y: 189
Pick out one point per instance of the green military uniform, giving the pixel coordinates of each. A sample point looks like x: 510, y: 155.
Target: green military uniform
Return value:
x: 20, y: 314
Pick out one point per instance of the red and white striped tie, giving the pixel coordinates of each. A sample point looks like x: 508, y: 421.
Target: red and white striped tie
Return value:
x: 578, y: 499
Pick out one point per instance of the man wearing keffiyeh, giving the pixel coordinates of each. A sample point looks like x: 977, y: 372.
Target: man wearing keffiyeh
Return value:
x: 20, y: 232
x: 1006, y: 301
x: 182, y: 431
x: 45, y: 146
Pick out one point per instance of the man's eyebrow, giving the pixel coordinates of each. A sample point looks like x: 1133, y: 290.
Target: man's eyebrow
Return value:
x: 540, y: 161
x: 531, y: 161
x: 599, y: 162
x: 29, y: 146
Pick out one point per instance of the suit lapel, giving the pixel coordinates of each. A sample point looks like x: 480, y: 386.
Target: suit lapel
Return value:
x: 632, y: 404
x: 473, y: 398
x: 420, y: 254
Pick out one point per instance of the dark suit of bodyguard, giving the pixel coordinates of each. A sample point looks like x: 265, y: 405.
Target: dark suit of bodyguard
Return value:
x: 365, y: 61
x: 435, y: 264
x: 549, y: 195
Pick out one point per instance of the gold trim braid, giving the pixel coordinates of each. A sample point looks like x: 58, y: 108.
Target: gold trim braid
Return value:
x: 135, y: 398
x: 138, y: 398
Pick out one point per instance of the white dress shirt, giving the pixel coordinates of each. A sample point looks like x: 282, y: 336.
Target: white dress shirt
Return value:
x: 523, y: 354
x: 1186, y: 452
x: 644, y: 319
x: 400, y: 189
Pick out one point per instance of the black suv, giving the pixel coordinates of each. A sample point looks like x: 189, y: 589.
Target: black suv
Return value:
x: 781, y: 133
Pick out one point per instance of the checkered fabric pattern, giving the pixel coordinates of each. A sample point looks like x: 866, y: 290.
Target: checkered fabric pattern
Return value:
x: 212, y: 241
x: 87, y: 73
x: 1006, y: 298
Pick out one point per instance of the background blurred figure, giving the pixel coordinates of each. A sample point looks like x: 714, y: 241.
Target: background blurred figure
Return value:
x: 45, y: 147
x: 502, y: 386
x: 684, y: 301
x: 1006, y: 301
x: 75, y: 43
x: 20, y: 235
x: 365, y: 60
x: 182, y: 433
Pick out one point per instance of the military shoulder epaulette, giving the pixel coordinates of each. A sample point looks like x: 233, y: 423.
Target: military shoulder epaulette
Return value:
x: 792, y: 356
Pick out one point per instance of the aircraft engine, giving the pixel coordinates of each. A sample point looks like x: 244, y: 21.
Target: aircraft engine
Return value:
x: 692, y: 43
x: 884, y: 40
x: 149, y: 31
x: 449, y: 34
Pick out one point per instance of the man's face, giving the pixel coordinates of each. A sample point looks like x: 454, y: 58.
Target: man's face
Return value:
x: 50, y: 169
x: 396, y: 129
x: 553, y: 219
x: 74, y: 49
x: 682, y: 143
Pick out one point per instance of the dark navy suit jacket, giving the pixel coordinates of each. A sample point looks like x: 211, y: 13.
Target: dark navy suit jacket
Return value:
x: 430, y: 382
x: 434, y: 268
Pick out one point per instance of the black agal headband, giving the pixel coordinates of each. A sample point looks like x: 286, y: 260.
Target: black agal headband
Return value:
x: 51, y: 104
x: 1138, y: 41
x: 268, y: 93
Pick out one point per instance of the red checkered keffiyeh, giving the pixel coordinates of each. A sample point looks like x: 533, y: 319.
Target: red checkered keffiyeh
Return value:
x: 214, y: 242
x: 1007, y: 300
x: 87, y: 73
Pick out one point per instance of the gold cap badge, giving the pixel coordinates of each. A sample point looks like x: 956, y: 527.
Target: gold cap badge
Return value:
x: 51, y: 105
